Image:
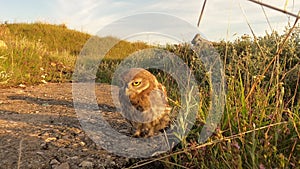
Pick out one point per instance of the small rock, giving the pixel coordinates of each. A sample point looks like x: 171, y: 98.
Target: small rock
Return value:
x: 89, y: 159
x: 82, y: 143
x: 81, y: 136
x: 63, y: 166
x: 77, y: 131
x: 75, y: 145
x: 85, y: 149
x: 40, y: 153
x: 54, y: 162
x: 62, y: 150
x: 44, y: 146
x: 45, y: 104
x: 22, y: 85
x: 50, y: 139
x: 44, y: 81
x: 86, y: 164
x: 73, y: 158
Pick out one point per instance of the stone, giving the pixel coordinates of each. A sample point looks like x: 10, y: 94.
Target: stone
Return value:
x: 54, y: 162
x: 86, y: 164
x: 73, y: 158
x: 63, y: 166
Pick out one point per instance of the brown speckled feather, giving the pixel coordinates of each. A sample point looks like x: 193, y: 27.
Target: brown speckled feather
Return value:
x: 145, y: 106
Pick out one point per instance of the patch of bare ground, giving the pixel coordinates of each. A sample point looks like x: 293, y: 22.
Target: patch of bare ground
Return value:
x: 39, y: 128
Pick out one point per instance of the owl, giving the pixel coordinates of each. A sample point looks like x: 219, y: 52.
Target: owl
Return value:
x: 144, y: 102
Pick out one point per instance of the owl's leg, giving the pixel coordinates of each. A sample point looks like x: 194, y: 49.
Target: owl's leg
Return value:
x: 138, y: 130
x: 150, y: 132
x: 137, y: 133
x: 143, y: 131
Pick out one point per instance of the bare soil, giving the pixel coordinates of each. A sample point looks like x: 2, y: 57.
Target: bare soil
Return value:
x: 39, y: 128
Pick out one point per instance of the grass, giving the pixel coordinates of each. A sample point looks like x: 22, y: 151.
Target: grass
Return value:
x: 20, y: 153
x: 55, y: 37
x: 260, y: 127
x: 38, y: 53
x: 34, y: 53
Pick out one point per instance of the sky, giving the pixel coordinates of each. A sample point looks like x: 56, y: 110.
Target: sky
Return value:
x: 222, y: 19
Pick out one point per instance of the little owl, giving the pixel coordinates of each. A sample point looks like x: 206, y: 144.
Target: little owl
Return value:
x: 144, y: 102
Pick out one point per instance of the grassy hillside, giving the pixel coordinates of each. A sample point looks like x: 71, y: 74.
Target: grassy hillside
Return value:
x: 39, y: 53
x: 54, y: 37
x: 260, y: 127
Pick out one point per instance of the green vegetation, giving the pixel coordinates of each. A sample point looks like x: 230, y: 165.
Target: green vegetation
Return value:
x: 55, y: 37
x: 260, y: 127
x: 37, y: 53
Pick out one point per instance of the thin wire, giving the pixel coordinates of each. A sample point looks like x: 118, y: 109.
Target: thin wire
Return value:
x: 201, y: 14
x: 297, y: 16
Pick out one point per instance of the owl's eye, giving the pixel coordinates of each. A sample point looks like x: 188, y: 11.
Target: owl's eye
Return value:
x: 136, y: 83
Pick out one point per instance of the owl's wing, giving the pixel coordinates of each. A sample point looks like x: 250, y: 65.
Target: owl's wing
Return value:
x: 158, y: 102
x: 134, y: 110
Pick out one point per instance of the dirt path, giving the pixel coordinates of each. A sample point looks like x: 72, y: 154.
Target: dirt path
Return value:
x: 39, y: 129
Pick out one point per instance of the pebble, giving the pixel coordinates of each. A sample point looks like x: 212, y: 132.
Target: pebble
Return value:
x: 63, y: 166
x: 50, y: 139
x: 82, y: 143
x: 54, y: 162
x: 85, y: 149
x: 86, y: 164
x: 22, y: 85
x: 73, y: 158
x: 44, y: 146
x: 42, y: 154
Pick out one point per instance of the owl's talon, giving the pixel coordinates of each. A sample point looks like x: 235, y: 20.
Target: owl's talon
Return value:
x: 137, y: 134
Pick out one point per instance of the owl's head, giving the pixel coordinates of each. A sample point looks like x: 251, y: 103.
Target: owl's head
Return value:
x: 137, y: 80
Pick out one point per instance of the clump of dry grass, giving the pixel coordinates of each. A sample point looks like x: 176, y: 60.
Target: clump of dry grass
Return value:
x: 261, y: 123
